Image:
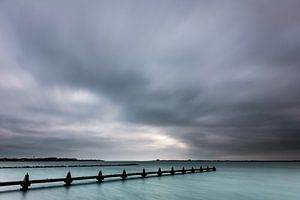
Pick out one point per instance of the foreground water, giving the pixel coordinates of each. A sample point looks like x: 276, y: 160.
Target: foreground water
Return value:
x: 241, y: 180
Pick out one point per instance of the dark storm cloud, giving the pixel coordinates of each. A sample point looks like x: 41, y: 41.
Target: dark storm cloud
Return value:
x: 221, y: 77
x: 252, y: 143
x: 42, y: 144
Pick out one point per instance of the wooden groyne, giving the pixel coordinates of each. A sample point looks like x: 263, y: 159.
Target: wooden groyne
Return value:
x: 26, y: 182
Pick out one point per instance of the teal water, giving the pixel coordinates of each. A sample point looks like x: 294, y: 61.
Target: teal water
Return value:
x: 241, y: 180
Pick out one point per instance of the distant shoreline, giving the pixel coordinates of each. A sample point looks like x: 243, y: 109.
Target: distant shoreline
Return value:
x: 65, y: 166
x: 56, y: 159
x: 226, y: 160
x: 48, y: 159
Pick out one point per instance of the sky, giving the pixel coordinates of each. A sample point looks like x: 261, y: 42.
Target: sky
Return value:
x: 141, y: 80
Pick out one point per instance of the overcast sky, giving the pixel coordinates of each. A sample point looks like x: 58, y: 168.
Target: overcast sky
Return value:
x: 150, y: 79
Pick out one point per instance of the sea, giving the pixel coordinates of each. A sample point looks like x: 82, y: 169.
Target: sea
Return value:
x: 231, y: 181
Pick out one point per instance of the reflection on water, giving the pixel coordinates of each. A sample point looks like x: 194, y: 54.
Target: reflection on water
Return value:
x: 231, y: 181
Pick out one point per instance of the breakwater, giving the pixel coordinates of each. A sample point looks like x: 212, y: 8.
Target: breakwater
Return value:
x: 26, y: 182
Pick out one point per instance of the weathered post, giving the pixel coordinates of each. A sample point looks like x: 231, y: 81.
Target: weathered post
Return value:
x: 214, y: 168
x: 207, y: 168
x: 172, y: 171
x: 159, y: 173
x: 183, y: 170
x: 68, y: 179
x: 144, y: 174
x: 201, y: 169
x: 193, y: 170
x: 124, y: 175
x: 26, y: 183
x: 100, y: 177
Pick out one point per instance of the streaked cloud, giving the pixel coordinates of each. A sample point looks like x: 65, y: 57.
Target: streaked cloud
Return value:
x: 141, y: 80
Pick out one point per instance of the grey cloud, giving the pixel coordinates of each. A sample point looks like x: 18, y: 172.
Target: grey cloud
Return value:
x: 254, y: 143
x: 196, y: 68
x: 25, y: 145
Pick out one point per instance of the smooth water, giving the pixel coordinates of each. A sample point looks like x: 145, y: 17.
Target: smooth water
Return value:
x: 232, y: 180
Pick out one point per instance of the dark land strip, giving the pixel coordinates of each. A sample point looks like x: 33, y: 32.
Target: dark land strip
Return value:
x: 62, y: 166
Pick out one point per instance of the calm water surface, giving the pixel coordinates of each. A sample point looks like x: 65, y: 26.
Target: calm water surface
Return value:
x: 243, y: 180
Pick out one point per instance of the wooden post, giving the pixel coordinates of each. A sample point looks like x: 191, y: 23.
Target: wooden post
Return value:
x: 100, y: 177
x: 183, y: 170
x: 124, y: 175
x: 144, y: 174
x: 159, y: 173
x: 172, y: 171
x: 201, y: 169
x: 193, y: 170
x: 207, y: 169
x: 26, y: 183
x: 214, y: 168
x: 68, y: 179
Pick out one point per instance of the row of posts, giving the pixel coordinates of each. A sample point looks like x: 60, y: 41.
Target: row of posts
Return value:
x: 68, y: 180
